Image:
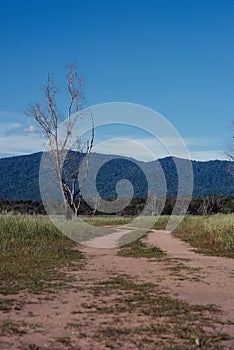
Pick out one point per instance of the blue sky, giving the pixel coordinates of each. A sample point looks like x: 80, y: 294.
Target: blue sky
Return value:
x: 176, y: 57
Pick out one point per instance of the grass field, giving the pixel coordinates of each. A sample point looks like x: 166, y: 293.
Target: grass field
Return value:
x: 213, y: 235
x: 108, y: 220
x: 31, y: 251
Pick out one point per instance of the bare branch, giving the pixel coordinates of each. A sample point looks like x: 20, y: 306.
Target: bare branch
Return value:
x: 40, y: 116
x: 50, y: 95
x: 75, y: 89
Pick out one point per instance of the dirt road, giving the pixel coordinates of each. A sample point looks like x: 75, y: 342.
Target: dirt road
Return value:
x: 111, y: 303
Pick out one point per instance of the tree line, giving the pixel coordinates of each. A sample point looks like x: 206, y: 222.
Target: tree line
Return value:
x: 198, y: 206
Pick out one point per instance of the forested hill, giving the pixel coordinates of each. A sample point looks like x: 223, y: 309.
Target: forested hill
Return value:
x: 19, y: 176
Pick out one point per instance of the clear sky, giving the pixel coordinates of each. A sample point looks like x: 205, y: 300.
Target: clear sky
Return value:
x: 174, y: 56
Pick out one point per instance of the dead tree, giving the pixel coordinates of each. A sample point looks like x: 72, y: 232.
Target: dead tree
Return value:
x: 96, y: 204
x: 207, y: 205
x: 49, y: 119
x: 230, y: 151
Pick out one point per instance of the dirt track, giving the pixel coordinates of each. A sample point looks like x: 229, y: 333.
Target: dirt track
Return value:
x: 217, y: 283
x: 72, y: 318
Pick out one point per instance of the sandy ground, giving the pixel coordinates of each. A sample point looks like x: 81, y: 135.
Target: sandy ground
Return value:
x: 217, y: 283
x: 72, y: 318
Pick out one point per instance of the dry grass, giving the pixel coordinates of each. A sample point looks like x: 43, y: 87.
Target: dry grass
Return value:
x: 31, y: 252
x: 213, y: 235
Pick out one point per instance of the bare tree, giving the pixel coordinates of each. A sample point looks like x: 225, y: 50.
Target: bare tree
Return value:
x: 96, y: 203
x: 207, y: 205
x: 230, y: 151
x: 67, y: 165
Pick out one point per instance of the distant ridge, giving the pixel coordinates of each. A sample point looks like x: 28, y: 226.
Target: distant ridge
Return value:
x: 19, y: 176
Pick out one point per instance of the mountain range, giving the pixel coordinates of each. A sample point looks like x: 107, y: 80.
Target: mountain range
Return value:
x: 19, y: 176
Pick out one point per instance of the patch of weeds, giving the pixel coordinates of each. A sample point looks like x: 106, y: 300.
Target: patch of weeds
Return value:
x: 111, y: 310
x: 179, y: 269
x: 64, y: 340
x: 182, y: 267
x: 164, y: 306
x: 72, y: 324
x: 120, y: 283
x: 173, y: 323
x: 113, y: 332
x: 6, y: 305
x: 139, y: 249
x: 178, y: 347
x: 198, y: 337
x: 161, y: 223
x: 140, y: 335
x: 227, y: 322
x: 147, y: 337
x: 31, y: 314
x: 32, y: 347
x: 9, y: 327
x: 46, y: 298
x: 88, y: 306
x: 99, y: 221
x: 75, y: 312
